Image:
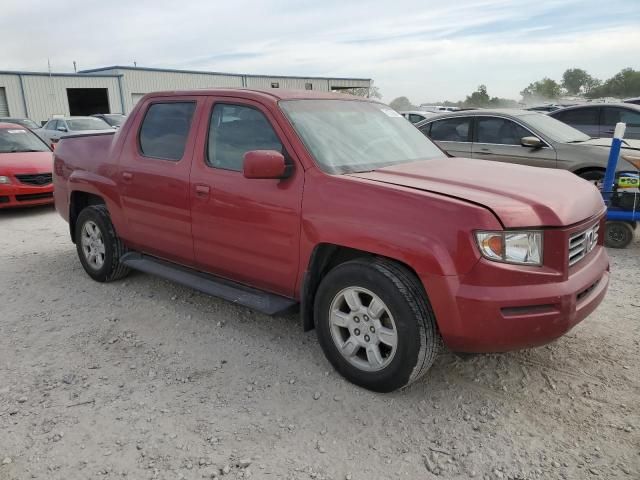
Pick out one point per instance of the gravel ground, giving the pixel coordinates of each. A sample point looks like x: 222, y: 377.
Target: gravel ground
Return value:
x: 144, y: 379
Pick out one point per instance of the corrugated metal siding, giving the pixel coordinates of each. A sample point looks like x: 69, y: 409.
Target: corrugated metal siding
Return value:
x: 47, y: 96
x: 140, y: 81
x: 11, y: 84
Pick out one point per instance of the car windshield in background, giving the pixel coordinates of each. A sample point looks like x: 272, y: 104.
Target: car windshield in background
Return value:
x: 554, y: 129
x: 25, y: 122
x: 80, y: 124
x: 347, y: 136
x: 114, y: 120
x: 14, y: 140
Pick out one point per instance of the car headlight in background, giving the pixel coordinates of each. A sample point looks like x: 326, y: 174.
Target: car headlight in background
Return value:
x: 4, y: 180
x: 517, y: 246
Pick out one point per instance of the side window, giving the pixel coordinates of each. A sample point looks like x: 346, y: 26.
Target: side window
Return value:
x: 500, y: 131
x: 614, y: 115
x: 451, y: 130
x: 235, y: 130
x: 426, y: 129
x: 51, y: 125
x: 165, y: 129
x: 413, y: 118
x: 62, y: 124
x: 579, y: 116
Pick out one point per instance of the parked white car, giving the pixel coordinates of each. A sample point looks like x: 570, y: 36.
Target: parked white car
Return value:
x: 56, y: 128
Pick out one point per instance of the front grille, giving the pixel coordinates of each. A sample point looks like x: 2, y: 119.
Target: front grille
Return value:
x: 580, y: 244
x: 38, y: 179
x: 34, y: 196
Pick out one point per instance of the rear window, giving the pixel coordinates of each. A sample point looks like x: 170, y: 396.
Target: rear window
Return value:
x: 165, y: 129
x: 451, y: 130
x: 85, y: 124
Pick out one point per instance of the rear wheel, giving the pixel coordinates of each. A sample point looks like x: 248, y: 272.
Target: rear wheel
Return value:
x: 98, y: 246
x: 619, y: 234
x: 375, y: 324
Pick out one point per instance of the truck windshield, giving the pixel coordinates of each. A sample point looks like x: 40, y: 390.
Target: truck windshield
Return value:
x: 346, y: 136
x: 14, y: 140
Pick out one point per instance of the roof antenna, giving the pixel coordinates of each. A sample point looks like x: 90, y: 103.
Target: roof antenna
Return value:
x: 135, y: 64
x: 75, y: 67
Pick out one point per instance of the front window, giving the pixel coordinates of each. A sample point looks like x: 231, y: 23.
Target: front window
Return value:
x: 81, y: 124
x: 235, y: 130
x: 20, y: 140
x: 500, y: 131
x: 346, y: 136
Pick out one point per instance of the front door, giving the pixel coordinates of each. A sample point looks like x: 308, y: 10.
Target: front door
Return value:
x: 246, y: 230
x: 154, y: 178
x: 500, y: 139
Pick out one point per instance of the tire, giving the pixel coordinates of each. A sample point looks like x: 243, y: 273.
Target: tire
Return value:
x: 104, y: 265
x: 594, y: 176
x: 377, y: 284
x: 618, y: 234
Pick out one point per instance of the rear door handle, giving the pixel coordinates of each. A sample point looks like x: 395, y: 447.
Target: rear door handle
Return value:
x: 126, y: 176
x: 202, y: 191
x: 484, y: 151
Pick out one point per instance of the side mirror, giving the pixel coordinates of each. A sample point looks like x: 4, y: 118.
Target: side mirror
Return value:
x: 533, y: 142
x: 265, y: 164
x: 61, y: 129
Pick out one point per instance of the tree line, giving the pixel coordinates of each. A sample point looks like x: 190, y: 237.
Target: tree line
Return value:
x: 575, y: 82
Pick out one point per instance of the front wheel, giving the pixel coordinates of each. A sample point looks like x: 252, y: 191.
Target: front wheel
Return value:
x: 98, y: 246
x: 375, y: 324
x: 618, y: 234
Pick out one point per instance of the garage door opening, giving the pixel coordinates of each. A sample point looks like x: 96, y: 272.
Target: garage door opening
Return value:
x: 87, y: 101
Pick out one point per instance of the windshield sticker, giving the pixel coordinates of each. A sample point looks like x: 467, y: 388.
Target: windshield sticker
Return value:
x: 390, y: 113
x: 16, y: 131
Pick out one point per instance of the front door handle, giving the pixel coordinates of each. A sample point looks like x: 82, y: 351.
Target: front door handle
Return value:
x: 202, y: 191
x: 484, y: 151
x: 127, y: 176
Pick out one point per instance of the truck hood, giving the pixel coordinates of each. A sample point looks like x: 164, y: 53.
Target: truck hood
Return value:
x: 520, y: 196
x: 26, y: 162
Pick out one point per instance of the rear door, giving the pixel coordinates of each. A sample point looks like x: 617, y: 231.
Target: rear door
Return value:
x: 453, y: 135
x: 154, y: 177
x: 586, y: 119
x: 499, y: 139
x: 246, y: 230
x: 612, y: 115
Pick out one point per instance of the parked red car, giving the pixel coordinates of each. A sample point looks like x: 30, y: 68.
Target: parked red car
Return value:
x: 339, y: 206
x: 26, y: 165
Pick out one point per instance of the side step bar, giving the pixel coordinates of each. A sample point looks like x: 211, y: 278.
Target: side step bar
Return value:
x: 255, y: 299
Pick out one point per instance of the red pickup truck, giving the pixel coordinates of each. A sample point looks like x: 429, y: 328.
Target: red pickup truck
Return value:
x: 340, y: 207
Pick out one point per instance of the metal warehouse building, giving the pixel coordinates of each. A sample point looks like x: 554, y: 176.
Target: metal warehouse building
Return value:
x: 40, y: 95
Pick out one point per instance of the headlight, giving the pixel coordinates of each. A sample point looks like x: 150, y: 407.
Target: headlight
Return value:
x: 517, y: 246
x: 4, y: 180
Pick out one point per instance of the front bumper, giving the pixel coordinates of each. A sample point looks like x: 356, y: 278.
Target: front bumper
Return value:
x: 497, y: 318
x: 12, y: 195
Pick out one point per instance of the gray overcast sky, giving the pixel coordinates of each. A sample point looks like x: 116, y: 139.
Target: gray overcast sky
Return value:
x: 426, y: 50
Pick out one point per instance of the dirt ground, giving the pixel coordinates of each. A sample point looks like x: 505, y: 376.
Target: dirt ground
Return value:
x: 144, y: 379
